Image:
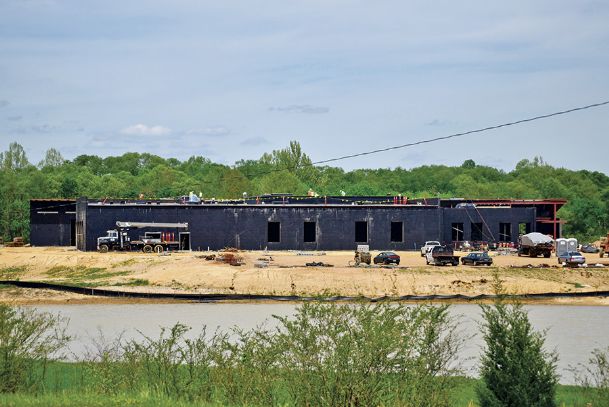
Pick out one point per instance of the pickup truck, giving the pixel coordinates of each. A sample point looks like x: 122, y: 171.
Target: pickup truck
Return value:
x: 428, y: 245
x: 441, y: 256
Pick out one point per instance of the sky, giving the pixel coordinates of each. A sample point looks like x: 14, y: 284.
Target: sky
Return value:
x: 230, y: 80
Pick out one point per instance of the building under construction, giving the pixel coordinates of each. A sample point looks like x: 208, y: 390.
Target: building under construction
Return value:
x: 285, y: 222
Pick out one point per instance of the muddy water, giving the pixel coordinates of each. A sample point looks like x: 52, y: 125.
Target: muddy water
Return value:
x: 574, y: 331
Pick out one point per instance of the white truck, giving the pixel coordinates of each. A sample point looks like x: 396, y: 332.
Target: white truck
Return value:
x: 428, y: 246
x: 158, y: 241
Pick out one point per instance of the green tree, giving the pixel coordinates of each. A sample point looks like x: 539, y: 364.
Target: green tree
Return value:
x: 515, y: 370
x: 14, y: 158
x: 52, y: 159
x: 468, y: 164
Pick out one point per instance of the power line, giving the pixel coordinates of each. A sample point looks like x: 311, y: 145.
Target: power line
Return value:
x: 431, y: 140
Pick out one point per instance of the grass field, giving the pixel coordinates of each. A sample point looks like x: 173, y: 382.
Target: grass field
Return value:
x: 68, y: 384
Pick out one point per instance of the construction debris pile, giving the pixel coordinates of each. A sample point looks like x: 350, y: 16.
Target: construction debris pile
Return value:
x: 17, y: 242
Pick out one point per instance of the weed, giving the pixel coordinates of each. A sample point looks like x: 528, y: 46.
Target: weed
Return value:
x: 12, y: 272
x: 84, y: 276
x: 124, y: 263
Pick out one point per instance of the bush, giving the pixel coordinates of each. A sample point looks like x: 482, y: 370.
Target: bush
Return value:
x: 363, y: 355
x: 326, y: 354
x: 515, y: 369
x: 594, y: 378
x: 28, y: 341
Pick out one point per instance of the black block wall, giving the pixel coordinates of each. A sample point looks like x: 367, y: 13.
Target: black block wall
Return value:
x: 246, y: 226
x: 52, y: 223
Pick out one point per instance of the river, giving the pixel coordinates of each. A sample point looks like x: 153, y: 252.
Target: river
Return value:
x: 573, y: 331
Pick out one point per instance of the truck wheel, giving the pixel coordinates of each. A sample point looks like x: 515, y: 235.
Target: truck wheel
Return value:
x: 104, y: 248
x: 158, y: 249
x: 546, y: 255
x: 147, y: 249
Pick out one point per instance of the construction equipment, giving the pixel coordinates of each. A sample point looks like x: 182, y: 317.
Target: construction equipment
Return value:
x: 535, y: 244
x: 604, y: 246
x: 362, y: 255
x: 157, y: 241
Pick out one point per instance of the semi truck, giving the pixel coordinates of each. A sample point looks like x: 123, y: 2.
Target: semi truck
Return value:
x: 157, y: 241
x: 535, y: 244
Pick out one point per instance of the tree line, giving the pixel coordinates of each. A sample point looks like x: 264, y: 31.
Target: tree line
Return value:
x: 289, y: 170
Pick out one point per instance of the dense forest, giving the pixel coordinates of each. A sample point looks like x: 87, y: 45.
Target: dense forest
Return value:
x: 289, y: 170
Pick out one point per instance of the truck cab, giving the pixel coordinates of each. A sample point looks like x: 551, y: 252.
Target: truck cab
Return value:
x: 428, y: 245
x: 104, y: 243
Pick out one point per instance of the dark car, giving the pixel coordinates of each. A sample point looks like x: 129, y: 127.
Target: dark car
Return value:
x: 588, y: 248
x: 387, y: 258
x: 476, y: 258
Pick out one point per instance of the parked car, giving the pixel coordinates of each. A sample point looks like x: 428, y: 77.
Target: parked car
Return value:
x: 571, y: 258
x: 588, y: 248
x: 387, y: 258
x: 476, y: 258
x: 429, y: 245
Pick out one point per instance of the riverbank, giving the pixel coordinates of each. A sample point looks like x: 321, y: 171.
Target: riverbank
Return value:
x: 284, y: 274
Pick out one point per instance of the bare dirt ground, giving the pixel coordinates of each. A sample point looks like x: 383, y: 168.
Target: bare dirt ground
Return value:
x: 285, y: 273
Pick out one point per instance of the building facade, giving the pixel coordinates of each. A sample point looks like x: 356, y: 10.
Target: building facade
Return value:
x: 302, y: 223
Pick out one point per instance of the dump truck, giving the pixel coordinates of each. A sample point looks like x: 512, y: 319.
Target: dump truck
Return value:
x: 441, y: 256
x: 535, y: 244
x: 156, y: 241
x: 604, y: 247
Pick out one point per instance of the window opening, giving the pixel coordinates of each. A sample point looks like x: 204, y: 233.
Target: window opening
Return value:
x: 505, y: 232
x: 457, y: 232
x: 397, y: 232
x: 309, y: 232
x: 361, y: 231
x: 274, y: 229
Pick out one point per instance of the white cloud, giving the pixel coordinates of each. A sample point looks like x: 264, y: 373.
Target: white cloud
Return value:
x: 144, y: 130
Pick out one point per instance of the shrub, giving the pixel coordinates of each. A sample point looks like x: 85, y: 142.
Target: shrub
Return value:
x: 594, y: 378
x: 28, y: 341
x: 515, y: 369
x: 361, y: 355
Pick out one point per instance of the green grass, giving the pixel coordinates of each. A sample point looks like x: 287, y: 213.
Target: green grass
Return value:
x: 134, y: 282
x: 124, y: 263
x: 78, y: 399
x: 69, y: 384
x: 464, y: 394
x: 11, y: 273
x: 84, y: 276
